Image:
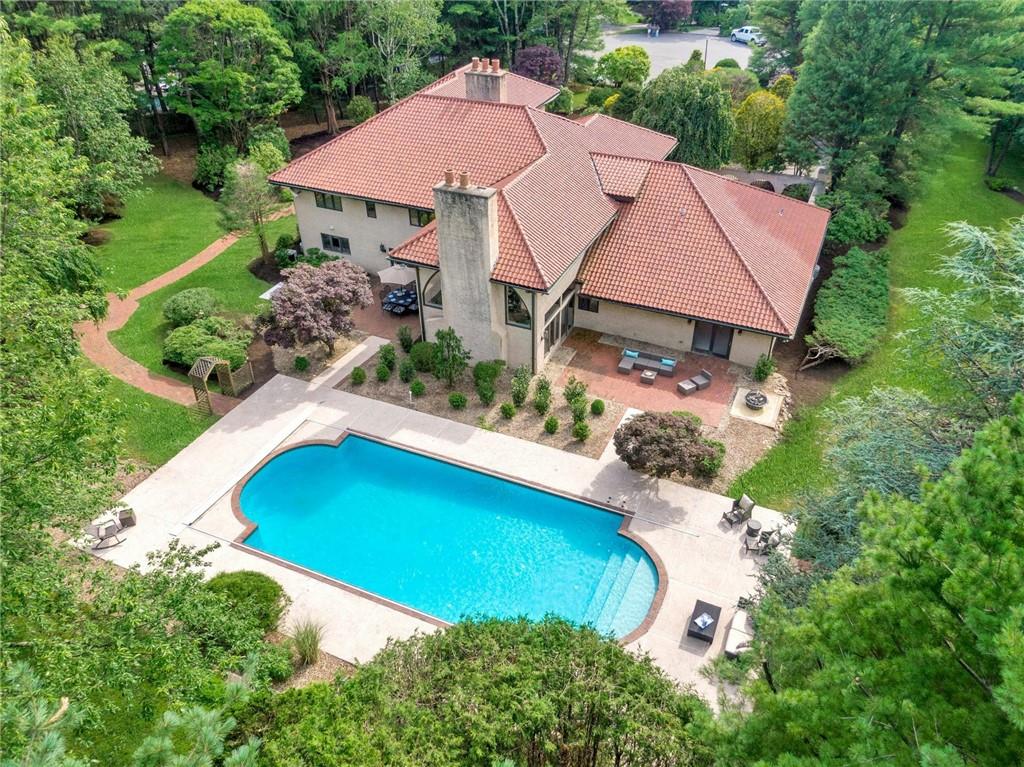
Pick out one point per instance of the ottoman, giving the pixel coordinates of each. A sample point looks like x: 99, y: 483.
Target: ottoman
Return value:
x: 647, y: 377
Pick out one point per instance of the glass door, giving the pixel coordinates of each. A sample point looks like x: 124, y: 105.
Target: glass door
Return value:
x: 712, y: 339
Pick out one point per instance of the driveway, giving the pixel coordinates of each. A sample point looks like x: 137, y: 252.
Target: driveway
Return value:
x: 674, y: 48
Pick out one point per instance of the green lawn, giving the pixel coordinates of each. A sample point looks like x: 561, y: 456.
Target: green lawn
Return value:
x: 952, y: 190
x: 168, y: 224
x: 142, y: 336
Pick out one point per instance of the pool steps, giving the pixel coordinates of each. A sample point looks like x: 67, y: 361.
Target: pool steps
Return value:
x: 618, y: 576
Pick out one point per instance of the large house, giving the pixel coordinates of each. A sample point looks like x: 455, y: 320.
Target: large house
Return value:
x: 522, y: 224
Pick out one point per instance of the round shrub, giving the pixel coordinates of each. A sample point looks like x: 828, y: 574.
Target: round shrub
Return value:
x: 457, y: 400
x: 208, y: 337
x: 190, y: 305
x: 728, y: 64
x: 763, y: 183
x: 422, y: 356
x: 551, y: 424
x: 542, y: 402
x: 598, y: 96
x: 406, y: 370
x: 487, y: 371
x: 359, y: 109
x: 212, y: 161
x: 597, y: 407
x: 274, y: 663
x: 508, y: 410
x: 405, y: 338
x: 581, y: 430
x: 764, y: 367
x: 579, y: 410
x: 388, y: 356
x: 485, y: 390
x: 383, y: 372
x: 254, y: 593
x: 301, y: 363
x: 418, y: 388
x: 358, y: 375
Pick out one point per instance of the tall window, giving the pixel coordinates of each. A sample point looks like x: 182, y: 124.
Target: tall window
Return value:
x: 432, y: 292
x: 420, y: 217
x: 516, y: 312
x: 335, y: 244
x: 329, y: 201
x: 371, y: 209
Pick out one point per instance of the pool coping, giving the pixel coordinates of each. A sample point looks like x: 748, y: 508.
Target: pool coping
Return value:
x: 627, y: 515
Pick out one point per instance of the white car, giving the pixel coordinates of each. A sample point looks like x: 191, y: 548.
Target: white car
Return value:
x: 748, y: 35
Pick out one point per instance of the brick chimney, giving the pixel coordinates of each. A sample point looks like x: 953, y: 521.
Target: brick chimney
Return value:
x: 485, y: 81
x: 467, y: 245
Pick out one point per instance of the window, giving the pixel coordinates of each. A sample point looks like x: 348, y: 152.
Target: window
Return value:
x: 420, y: 217
x: 516, y: 312
x: 329, y: 201
x: 371, y: 209
x: 335, y: 244
x: 432, y: 292
x: 588, y: 304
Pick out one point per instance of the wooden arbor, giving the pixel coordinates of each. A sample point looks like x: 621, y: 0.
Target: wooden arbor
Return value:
x: 231, y: 383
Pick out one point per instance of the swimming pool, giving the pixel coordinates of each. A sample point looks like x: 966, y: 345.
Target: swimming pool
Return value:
x: 446, y: 540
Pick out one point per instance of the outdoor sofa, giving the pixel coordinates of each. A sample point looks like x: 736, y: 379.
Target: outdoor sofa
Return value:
x: 740, y: 635
x: 646, y: 361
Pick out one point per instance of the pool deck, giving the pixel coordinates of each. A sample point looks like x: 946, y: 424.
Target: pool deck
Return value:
x: 189, y: 498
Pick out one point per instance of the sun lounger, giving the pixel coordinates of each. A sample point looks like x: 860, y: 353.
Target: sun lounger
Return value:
x: 740, y: 636
x: 703, y: 379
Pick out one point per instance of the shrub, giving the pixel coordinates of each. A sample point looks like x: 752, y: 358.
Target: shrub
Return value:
x: 406, y: 370
x: 574, y: 389
x: 543, y: 385
x: 542, y: 401
x: 998, y: 183
x: 189, y: 305
x: 274, y: 662
x: 301, y: 363
x: 597, y: 96
x: 271, y: 134
x: 539, y: 62
x: 451, y: 358
x: 628, y: 64
x: 208, y: 337
x: 307, y: 635
x: 359, y: 109
x: 254, y: 593
x: 315, y: 303
x: 551, y: 424
x: 212, y: 161
x: 663, y: 444
x: 581, y: 430
x: 485, y: 390
x: 627, y: 102
x: 508, y: 410
x: 562, y: 103
x: 709, y: 465
x: 597, y: 407
x: 405, y: 338
x: 798, y: 192
x: 418, y: 388
x: 457, y: 400
x: 579, y: 410
x: 764, y: 367
x: 728, y: 64
x: 383, y: 372
x: 852, y: 306
x: 487, y: 371
x: 520, y: 385
x: 358, y: 376
x: 388, y: 356
x: 783, y: 86
x: 422, y: 356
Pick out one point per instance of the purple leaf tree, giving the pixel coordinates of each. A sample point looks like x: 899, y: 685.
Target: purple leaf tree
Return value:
x: 539, y: 62
x: 315, y: 303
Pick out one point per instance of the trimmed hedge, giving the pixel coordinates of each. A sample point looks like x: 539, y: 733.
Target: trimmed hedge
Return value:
x: 254, y: 593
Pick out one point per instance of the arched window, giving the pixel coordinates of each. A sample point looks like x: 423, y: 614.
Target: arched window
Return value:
x: 432, y: 291
x: 516, y: 312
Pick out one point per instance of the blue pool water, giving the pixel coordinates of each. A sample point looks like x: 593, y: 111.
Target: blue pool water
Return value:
x: 445, y: 540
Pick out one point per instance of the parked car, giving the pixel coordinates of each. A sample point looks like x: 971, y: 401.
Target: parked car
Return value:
x: 748, y: 35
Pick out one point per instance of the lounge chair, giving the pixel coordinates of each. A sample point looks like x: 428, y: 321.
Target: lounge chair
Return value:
x: 740, y: 635
x: 105, y: 534
x: 740, y: 511
x: 703, y: 379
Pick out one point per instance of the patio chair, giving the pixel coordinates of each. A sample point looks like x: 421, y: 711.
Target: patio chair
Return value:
x: 105, y: 534
x: 770, y: 541
x: 740, y: 511
x: 687, y: 387
x: 703, y: 379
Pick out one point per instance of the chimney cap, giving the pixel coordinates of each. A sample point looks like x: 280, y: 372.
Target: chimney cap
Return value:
x: 495, y: 65
x: 464, y: 179
x: 485, y: 64
x: 449, y: 177
x: 475, y: 66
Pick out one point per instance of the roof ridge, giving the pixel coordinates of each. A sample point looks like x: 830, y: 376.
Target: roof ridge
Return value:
x: 464, y: 100
x: 736, y: 250
x: 745, y: 185
x: 519, y: 226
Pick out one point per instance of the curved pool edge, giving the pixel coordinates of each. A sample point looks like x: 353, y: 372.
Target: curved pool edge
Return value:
x: 249, y: 527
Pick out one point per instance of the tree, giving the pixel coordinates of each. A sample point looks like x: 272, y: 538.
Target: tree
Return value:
x: 695, y: 64
x: 695, y: 111
x: 315, y: 303
x: 401, y: 33
x: 759, y: 123
x: 539, y: 62
x: 571, y: 26
x: 359, y: 110
x: 482, y: 691
x: 90, y: 99
x: 628, y: 64
x: 451, y: 358
x: 248, y: 200
x: 667, y: 14
x: 33, y: 727
x: 235, y: 70
x: 738, y: 83
x: 783, y: 87
x: 663, y: 444
x: 785, y: 25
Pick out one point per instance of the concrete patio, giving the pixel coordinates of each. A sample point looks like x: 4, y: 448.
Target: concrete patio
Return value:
x: 189, y: 499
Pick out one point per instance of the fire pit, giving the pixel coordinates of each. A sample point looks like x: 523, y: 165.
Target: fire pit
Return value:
x: 756, y: 399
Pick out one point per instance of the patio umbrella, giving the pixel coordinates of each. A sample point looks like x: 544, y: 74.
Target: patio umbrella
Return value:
x: 397, y: 275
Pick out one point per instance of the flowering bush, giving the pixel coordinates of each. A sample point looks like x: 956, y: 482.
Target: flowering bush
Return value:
x: 315, y: 303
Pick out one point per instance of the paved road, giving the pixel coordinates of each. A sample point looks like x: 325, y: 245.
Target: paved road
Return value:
x: 674, y: 48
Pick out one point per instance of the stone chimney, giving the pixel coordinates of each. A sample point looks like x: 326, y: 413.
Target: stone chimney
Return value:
x: 485, y: 81
x: 467, y: 245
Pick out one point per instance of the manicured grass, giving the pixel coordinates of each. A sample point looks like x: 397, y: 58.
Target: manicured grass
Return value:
x: 154, y: 429
x: 228, y: 274
x: 953, y: 190
x: 168, y: 224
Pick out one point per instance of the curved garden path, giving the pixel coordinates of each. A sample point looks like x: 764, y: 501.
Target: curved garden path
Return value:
x: 96, y: 345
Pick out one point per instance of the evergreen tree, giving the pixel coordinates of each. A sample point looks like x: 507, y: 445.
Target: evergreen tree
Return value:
x: 759, y: 123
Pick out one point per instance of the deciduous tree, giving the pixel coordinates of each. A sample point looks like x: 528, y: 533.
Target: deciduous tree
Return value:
x: 759, y: 122
x: 540, y: 62
x: 451, y: 358
x: 315, y: 303
x: 248, y: 200
x: 401, y: 33
x: 663, y: 444
x: 628, y: 64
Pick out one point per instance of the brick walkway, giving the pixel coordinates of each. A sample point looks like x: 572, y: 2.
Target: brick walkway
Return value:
x: 96, y: 345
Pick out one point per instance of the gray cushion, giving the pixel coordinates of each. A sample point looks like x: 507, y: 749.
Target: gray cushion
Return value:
x: 746, y: 503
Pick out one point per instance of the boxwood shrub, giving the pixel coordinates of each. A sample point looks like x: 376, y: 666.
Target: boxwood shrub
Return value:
x: 208, y: 337
x: 255, y: 593
x: 358, y: 375
x: 597, y: 407
x: 551, y: 424
x: 406, y: 370
x: 422, y: 356
x: 388, y: 356
x: 581, y: 430
x: 457, y: 400
x: 383, y: 372
x: 187, y: 306
x: 508, y: 410
x: 418, y: 388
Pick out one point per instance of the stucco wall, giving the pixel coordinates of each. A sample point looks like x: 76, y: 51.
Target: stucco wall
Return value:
x: 747, y: 346
x: 365, y: 234
x: 652, y: 327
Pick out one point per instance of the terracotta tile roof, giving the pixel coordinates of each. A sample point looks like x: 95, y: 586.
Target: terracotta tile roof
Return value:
x: 620, y: 177
x: 519, y: 90
x: 698, y: 244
